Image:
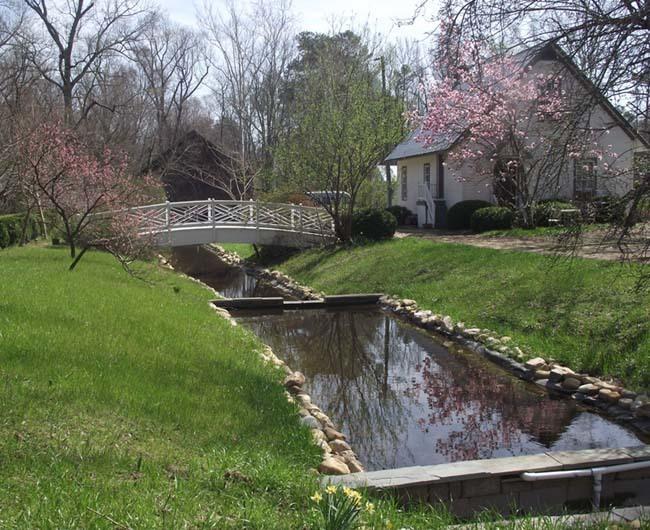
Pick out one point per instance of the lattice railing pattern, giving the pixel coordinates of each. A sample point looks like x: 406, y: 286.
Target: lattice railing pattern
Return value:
x: 246, y: 214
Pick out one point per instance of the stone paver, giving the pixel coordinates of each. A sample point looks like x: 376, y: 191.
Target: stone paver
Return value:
x: 591, y: 458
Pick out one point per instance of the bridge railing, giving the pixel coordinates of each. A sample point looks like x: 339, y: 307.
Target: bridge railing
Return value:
x: 245, y: 214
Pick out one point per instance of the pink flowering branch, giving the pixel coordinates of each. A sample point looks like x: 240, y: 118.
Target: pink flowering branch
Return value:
x: 509, y: 122
x: 77, y: 185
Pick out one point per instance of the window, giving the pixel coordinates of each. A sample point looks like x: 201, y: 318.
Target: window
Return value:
x: 551, y: 88
x: 427, y: 175
x: 584, y: 178
x: 405, y: 193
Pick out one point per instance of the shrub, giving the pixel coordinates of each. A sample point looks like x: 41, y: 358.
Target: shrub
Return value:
x: 11, y: 229
x: 401, y: 213
x: 492, y: 218
x: 374, y: 224
x: 608, y: 210
x: 460, y: 214
x: 545, y: 210
x: 4, y: 235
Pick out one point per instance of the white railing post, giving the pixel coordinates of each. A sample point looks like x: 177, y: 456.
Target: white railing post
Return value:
x: 293, y: 212
x: 168, y: 222
x: 257, y: 216
x: 213, y: 218
x: 250, y: 211
x: 300, y: 217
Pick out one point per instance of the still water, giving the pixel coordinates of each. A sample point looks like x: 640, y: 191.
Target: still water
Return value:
x: 403, y: 396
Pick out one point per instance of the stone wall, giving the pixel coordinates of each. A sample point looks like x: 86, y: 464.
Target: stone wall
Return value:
x: 467, y: 488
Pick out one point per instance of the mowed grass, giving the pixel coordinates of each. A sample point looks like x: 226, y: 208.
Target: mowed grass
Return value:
x: 586, y: 313
x: 130, y: 404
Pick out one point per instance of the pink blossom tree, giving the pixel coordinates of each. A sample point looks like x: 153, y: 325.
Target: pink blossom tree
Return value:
x: 516, y: 129
x: 87, y: 193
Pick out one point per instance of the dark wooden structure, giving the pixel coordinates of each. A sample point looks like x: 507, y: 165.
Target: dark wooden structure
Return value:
x: 197, y: 169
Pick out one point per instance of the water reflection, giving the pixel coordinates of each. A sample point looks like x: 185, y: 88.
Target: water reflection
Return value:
x: 230, y: 282
x: 404, y: 399
x: 401, y: 396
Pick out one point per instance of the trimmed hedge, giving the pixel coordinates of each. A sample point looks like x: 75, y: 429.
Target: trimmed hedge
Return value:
x: 459, y: 215
x: 374, y: 224
x: 492, y: 218
x: 11, y: 228
x: 400, y: 212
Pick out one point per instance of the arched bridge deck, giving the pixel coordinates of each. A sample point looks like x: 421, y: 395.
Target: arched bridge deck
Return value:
x: 185, y: 223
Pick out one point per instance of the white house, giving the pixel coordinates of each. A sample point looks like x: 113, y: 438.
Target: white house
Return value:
x: 426, y: 185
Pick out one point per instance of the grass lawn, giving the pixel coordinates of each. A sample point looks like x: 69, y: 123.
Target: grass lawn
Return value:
x: 539, y: 231
x: 582, y: 312
x: 130, y: 404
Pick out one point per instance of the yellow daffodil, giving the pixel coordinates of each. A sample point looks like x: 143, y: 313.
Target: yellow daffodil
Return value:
x: 389, y: 525
x: 370, y: 507
x: 331, y: 490
x: 316, y: 497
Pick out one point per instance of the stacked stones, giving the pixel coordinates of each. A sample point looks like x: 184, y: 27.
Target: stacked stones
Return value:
x: 617, y: 401
x: 338, y: 457
x: 623, y: 405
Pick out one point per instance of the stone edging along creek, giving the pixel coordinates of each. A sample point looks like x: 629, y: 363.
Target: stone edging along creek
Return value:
x: 605, y: 397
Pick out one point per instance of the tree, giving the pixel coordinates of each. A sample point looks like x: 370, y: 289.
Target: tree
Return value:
x: 82, y: 34
x: 341, y: 123
x: 608, y: 39
x: 516, y: 129
x: 251, y: 52
x: 171, y: 60
x: 56, y: 168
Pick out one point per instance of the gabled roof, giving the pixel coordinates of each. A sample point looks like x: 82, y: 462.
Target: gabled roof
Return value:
x: 410, y: 147
x: 552, y: 50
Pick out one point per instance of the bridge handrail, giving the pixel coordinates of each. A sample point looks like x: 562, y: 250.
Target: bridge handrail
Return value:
x: 250, y: 214
x: 229, y: 201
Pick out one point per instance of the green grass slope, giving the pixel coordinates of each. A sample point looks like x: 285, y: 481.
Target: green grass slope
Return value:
x: 131, y: 404
x: 582, y: 312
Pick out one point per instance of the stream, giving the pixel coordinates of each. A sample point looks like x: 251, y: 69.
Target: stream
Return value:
x: 404, y: 396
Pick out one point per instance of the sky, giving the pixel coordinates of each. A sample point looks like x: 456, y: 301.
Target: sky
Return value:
x: 315, y: 16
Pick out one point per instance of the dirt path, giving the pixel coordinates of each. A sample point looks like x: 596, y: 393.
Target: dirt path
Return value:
x: 594, y: 245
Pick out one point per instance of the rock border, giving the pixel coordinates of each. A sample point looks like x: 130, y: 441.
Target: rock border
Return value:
x: 606, y: 397
x: 338, y: 458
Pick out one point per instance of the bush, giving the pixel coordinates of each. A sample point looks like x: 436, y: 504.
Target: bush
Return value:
x: 374, y: 224
x: 401, y: 213
x: 11, y: 229
x: 492, y: 218
x: 4, y: 235
x: 608, y: 210
x: 545, y: 210
x: 460, y: 214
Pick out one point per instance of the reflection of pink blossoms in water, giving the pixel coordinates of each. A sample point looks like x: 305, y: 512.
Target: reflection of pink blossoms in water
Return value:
x: 492, y: 412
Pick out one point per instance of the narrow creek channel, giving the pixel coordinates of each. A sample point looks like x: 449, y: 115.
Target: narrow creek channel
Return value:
x: 404, y: 396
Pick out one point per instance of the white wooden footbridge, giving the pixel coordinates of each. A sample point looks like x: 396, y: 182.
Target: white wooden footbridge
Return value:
x: 179, y: 224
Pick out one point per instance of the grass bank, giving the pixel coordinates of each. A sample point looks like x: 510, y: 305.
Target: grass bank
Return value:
x: 582, y: 312
x: 130, y: 404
